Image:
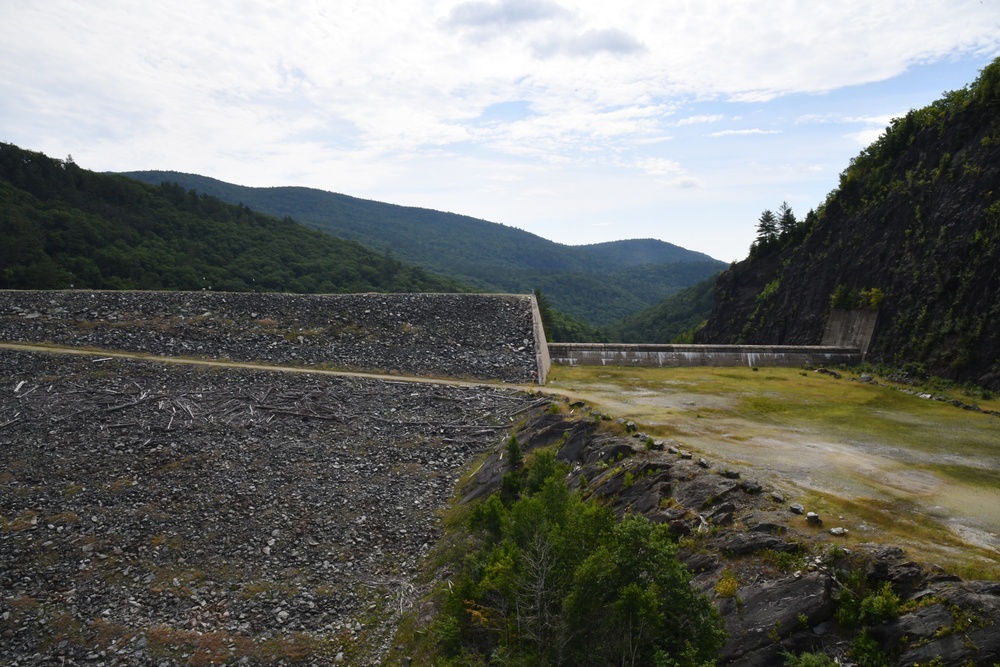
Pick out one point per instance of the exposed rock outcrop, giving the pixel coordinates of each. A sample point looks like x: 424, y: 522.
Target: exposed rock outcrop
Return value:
x: 786, y: 576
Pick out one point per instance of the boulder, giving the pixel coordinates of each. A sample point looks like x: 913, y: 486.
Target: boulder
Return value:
x: 773, y: 610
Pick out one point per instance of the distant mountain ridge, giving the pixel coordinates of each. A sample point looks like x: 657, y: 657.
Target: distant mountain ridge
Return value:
x: 599, y: 283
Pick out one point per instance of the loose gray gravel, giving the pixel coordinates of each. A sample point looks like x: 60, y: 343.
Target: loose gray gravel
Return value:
x: 479, y: 336
x: 155, y: 514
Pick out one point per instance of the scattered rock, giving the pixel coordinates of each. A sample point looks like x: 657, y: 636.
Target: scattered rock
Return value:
x: 456, y: 335
x: 770, y: 528
x: 773, y: 610
x: 194, y: 490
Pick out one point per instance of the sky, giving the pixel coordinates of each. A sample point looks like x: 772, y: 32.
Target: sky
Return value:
x: 578, y: 121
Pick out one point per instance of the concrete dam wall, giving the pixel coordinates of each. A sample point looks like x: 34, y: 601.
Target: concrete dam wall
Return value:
x: 469, y: 336
x: 660, y: 356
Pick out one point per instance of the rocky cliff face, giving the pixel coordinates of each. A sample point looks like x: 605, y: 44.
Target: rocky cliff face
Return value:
x: 913, y: 230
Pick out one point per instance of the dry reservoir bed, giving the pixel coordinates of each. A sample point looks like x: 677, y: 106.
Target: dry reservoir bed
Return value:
x: 899, y: 456
x: 156, y: 514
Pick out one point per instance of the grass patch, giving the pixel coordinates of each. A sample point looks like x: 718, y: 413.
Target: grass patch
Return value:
x: 897, y: 467
x: 977, y: 475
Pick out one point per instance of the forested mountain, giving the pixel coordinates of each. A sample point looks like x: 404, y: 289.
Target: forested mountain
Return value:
x: 670, y: 321
x: 63, y: 226
x: 913, y: 230
x: 598, y: 283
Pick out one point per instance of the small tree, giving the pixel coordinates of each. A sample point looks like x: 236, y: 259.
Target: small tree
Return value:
x: 786, y: 219
x: 767, y: 227
x: 515, y: 456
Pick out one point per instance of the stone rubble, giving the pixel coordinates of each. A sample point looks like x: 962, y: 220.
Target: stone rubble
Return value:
x: 481, y: 336
x: 159, y: 514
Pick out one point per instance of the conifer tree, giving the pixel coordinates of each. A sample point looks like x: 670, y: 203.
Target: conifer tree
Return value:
x: 786, y: 219
x: 767, y: 227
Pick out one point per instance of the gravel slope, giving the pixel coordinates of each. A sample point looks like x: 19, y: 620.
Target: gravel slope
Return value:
x: 155, y: 514
x: 480, y: 336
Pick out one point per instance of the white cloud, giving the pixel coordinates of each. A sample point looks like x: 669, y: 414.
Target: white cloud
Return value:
x: 692, y: 120
x: 876, y: 126
x: 373, y: 97
x: 879, y: 121
x: 864, y: 137
x: 659, y: 166
x: 589, y: 43
x: 755, y: 130
x: 504, y: 13
x: 688, y: 182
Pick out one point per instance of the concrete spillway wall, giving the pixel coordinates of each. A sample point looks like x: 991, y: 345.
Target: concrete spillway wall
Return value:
x: 850, y: 328
x: 592, y: 354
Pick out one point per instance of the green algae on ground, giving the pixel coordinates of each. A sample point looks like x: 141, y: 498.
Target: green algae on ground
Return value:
x: 931, y: 470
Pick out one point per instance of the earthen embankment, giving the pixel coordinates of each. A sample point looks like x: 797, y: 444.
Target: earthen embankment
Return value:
x: 478, y: 336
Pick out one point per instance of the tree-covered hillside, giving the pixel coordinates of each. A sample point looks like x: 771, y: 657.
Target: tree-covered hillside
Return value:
x: 598, y: 283
x: 913, y: 230
x: 63, y: 226
x: 672, y: 320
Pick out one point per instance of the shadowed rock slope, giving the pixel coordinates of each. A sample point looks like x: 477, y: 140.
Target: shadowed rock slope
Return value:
x: 913, y: 230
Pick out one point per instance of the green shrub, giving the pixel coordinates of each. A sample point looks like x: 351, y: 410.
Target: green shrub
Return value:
x: 860, y: 606
x: 867, y: 652
x: 810, y: 660
x: 881, y: 606
x: 515, y: 456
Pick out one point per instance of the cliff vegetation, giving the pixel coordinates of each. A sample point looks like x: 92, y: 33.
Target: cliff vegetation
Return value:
x: 912, y: 230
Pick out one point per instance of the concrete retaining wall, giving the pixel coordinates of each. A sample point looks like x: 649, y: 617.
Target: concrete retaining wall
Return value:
x: 542, y: 359
x: 850, y: 328
x: 587, y: 354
